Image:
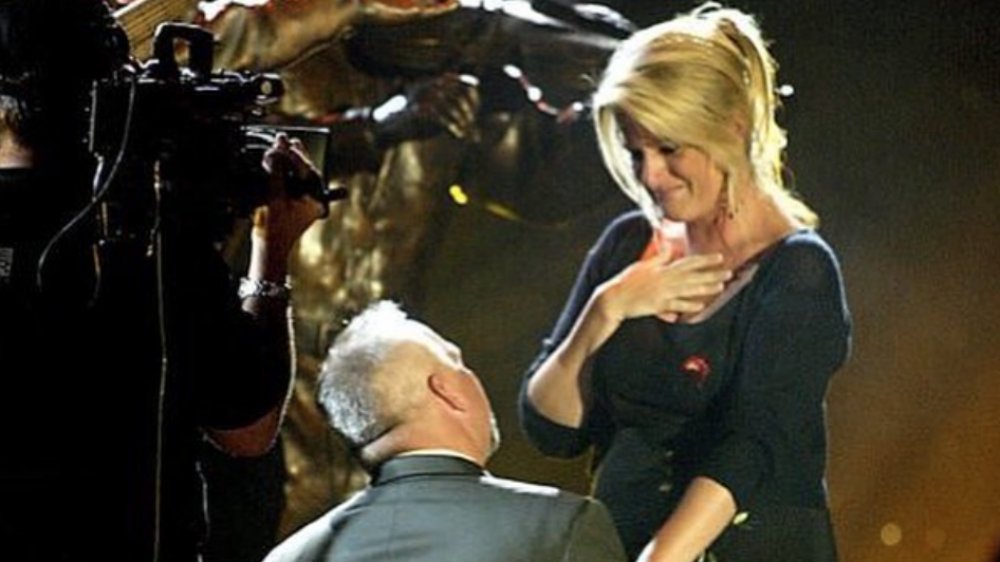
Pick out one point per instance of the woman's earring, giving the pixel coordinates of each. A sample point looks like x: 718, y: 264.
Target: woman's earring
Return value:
x: 728, y: 201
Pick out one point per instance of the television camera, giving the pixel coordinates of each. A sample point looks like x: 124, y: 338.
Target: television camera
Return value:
x: 197, y: 136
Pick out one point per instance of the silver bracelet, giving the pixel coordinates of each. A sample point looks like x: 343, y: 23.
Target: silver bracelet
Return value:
x: 263, y: 289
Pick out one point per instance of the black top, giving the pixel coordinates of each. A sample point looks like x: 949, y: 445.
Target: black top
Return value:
x: 84, y: 391
x: 737, y: 397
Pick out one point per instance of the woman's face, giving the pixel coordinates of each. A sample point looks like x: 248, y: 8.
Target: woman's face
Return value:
x: 684, y: 181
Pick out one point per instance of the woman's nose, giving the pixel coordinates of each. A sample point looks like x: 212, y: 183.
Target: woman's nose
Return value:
x: 654, y: 169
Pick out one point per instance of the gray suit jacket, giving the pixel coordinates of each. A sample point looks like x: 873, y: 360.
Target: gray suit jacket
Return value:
x: 445, y: 509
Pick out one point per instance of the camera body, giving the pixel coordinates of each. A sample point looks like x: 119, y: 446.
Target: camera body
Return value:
x: 188, y: 132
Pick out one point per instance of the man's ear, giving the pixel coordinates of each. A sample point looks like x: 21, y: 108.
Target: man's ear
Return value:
x: 443, y: 387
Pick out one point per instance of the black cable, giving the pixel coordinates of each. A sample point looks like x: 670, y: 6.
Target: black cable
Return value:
x: 101, y: 189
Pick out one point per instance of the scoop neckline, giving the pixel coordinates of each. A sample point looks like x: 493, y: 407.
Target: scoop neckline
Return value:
x: 748, y: 272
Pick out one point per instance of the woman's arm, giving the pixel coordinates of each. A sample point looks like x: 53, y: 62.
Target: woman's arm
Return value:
x: 653, y: 286
x: 703, y: 513
x: 557, y: 390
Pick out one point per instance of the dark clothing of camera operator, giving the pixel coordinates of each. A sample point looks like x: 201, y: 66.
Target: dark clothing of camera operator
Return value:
x: 120, y: 354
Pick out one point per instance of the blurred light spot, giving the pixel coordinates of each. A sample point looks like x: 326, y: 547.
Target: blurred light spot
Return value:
x: 311, y: 245
x: 501, y: 211
x: 786, y: 90
x: 936, y: 538
x: 512, y: 71
x: 891, y: 534
x: 741, y: 518
x: 534, y: 93
x: 395, y: 104
x: 458, y: 194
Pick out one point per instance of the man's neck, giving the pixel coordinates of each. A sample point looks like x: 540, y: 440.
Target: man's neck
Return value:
x: 410, y: 438
x: 439, y: 452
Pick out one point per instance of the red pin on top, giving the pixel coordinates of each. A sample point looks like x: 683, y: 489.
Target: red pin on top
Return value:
x: 697, y: 368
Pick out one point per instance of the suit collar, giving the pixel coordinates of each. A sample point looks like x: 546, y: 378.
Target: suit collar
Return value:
x: 424, y: 465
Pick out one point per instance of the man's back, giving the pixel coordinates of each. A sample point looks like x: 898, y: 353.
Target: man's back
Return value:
x: 440, y: 508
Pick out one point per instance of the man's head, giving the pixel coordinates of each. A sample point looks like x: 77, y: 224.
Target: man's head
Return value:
x: 391, y: 384
x: 50, y: 51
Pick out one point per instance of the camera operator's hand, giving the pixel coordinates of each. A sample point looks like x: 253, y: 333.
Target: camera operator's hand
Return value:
x: 446, y: 103
x: 279, y: 223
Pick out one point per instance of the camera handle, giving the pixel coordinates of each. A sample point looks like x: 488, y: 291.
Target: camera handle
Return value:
x: 199, y: 44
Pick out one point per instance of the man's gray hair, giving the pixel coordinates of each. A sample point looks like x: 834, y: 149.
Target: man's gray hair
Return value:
x: 361, y: 392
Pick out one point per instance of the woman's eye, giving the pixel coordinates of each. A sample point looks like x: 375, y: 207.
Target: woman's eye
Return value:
x: 668, y: 148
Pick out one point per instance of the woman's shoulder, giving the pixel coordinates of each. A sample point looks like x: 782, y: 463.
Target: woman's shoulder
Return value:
x: 628, y: 221
x: 803, y: 257
x: 620, y: 243
x: 803, y: 244
x: 628, y: 225
x: 623, y: 237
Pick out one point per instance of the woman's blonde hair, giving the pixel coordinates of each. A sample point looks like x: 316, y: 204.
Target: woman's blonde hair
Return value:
x: 703, y: 79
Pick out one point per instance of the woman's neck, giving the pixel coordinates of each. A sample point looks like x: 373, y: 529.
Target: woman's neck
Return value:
x: 757, y: 224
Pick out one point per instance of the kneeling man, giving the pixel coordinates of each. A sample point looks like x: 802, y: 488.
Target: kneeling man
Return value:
x: 421, y: 421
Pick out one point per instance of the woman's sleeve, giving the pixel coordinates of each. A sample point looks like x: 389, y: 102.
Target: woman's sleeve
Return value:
x: 797, y: 337
x: 547, y: 436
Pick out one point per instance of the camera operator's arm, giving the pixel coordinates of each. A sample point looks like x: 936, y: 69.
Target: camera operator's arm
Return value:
x: 277, y: 226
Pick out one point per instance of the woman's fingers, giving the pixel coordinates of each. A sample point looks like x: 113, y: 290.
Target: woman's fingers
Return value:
x: 700, y: 289
x: 705, y: 277
x: 663, y: 287
x: 684, y: 306
x: 694, y: 261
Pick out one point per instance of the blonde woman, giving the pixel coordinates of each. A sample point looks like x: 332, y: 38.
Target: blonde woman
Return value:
x: 694, y: 353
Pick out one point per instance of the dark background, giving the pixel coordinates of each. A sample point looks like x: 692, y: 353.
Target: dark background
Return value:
x: 893, y: 139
